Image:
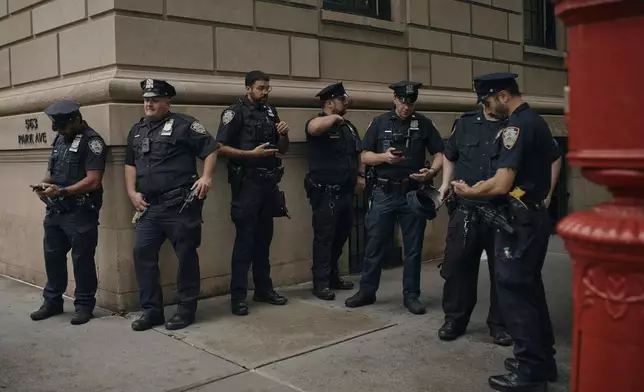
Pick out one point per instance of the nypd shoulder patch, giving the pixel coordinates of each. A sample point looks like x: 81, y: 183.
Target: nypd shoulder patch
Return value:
x: 510, y: 136
x: 96, y: 146
x: 197, y: 127
x: 227, y: 116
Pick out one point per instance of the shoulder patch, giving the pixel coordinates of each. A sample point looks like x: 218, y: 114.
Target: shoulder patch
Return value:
x: 510, y: 136
x: 96, y: 146
x: 227, y: 116
x: 197, y: 127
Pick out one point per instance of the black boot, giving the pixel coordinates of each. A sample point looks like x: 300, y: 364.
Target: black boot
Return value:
x: 501, y: 338
x: 414, y: 306
x: 146, y: 321
x: 514, y: 383
x: 340, y: 284
x: 324, y: 293
x: 360, y: 299
x: 270, y: 297
x: 450, y: 331
x: 81, y: 317
x: 179, y: 321
x: 46, y: 311
x: 239, y: 308
x: 512, y: 365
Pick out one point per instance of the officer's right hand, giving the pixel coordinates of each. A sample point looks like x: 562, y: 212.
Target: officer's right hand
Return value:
x: 444, y: 191
x: 138, y: 202
x: 390, y: 157
x: 261, y: 151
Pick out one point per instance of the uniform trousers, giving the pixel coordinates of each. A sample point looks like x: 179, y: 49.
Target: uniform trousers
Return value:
x: 184, y: 232
x: 77, y: 232
x: 385, y: 209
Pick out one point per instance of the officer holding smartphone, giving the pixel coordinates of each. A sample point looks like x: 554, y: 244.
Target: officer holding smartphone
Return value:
x: 395, y: 144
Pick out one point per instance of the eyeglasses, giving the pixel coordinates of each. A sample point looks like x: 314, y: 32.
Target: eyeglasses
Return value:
x: 263, y: 89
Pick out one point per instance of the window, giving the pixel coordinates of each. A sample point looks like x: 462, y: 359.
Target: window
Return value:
x: 380, y: 9
x: 539, y: 23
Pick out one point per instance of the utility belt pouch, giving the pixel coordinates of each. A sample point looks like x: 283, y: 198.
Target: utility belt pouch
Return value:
x: 279, y: 204
x: 173, y: 197
x: 235, y: 179
x: 519, y: 212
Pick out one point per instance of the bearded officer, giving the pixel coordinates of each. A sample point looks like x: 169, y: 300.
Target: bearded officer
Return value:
x: 250, y: 134
x: 524, y: 153
x: 73, y: 192
x: 395, y: 144
x: 160, y: 173
x: 335, y: 172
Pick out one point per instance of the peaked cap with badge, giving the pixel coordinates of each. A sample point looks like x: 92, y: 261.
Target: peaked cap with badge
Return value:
x: 157, y: 88
x: 406, y: 91
x: 63, y: 111
x: 488, y: 84
x: 335, y: 90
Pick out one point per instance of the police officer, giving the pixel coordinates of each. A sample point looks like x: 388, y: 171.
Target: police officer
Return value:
x: 468, y: 158
x: 524, y: 151
x: 250, y: 134
x: 73, y: 192
x: 334, y: 173
x: 160, y: 175
x: 395, y: 144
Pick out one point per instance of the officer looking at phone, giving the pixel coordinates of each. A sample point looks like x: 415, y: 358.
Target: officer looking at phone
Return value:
x: 250, y: 134
x: 73, y: 193
x: 395, y: 144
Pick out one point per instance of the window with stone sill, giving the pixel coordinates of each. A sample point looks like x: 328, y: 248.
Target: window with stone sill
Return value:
x: 539, y: 24
x: 380, y: 9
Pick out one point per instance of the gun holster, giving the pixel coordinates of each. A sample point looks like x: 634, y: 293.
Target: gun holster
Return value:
x: 279, y: 204
x: 235, y: 179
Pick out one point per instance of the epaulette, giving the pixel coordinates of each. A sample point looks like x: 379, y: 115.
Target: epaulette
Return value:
x: 185, y: 117
x: 470, y: 113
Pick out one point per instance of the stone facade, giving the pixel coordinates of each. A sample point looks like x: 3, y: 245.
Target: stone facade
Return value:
x: 97, y: 51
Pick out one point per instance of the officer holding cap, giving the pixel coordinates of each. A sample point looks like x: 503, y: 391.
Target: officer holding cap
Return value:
x: 160, y: 175
x: 73, y: 192
x: 524, y: 154
x: 334, y: 172
x: 395, y: 144
x: 468, y: 156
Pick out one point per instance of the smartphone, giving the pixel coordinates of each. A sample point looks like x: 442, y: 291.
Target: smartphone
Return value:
x: 271, y: 147
x: 398, y: 153
x: 37, y: 187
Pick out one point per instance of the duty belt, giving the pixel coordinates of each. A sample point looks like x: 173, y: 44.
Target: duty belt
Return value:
x: 166, y: 196
x: 389, y: 186
x: 262, y: 173
x: 330, y: 188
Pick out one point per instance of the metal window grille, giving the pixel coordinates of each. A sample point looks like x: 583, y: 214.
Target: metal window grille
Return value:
x: 539, y: 23
x: 380, y: 9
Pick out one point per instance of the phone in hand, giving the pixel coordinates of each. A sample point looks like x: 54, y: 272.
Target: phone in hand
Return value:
x: 37, y: 187
x: 398, y: 153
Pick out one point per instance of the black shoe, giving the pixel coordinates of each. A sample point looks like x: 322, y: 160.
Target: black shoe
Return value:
x: 81, y: 317
x: 360, y: 299
x: 513, y: 383
x: 239, y: 308
x: 414, y: 306
x: 146, y: 321
x: 179, y: 321
x: 324, y: 293
x: 45, y: 312
x: 340, y: 284
x: 501, y: 338
x: 450, y: 331
x: 270, y: 297
x: 512, y: 365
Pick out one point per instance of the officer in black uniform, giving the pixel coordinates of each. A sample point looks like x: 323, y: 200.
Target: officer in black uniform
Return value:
x: 163, y: 184
x: 73, y: 193
x: 468, y: 158
x: 395, y: 145
x: 250, y: 134
x: 334, y: 173
x: 524, y: 153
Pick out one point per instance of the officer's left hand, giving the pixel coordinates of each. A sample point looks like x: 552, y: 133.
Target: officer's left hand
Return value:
x: 202, y: 186
x: 423, y: 175
x: 360, y: 185
x: 548, y: 200
x: 52, y: 191
x: 282, y: 128
x: 461, y: 188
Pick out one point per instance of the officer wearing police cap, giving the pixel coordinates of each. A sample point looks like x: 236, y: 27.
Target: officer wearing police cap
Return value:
x: 160, y: 175
x: 468, y: 156
x: 72, y: 190
x: 334, y: 173
x: 524, y: 154
x: 395, y: 144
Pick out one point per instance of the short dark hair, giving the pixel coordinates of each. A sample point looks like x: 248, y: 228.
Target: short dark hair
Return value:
x: 254, y: 76
x: 513, y: 89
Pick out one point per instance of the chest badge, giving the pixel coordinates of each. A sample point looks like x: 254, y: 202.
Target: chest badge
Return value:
x: 76, y: 143
x: 167, y: 127
x: 414, y: 124
x: 270, y: 111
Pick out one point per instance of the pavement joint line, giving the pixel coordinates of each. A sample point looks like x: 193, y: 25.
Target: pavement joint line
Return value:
x: 285, y: 383
x: 204, y: 383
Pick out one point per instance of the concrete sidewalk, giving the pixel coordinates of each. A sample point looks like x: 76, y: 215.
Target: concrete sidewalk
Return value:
x: 308, y: 345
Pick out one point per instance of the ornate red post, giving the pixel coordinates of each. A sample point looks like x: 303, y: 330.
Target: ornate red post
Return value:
x: 605, y: 117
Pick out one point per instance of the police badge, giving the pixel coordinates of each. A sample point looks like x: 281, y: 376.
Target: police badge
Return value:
x: 96, y: 146
x: 167, y: 128
x: 414, y: 124
x: 76, y: 143
x: 149, y: 84
x: 409, y: 89
x: 227, y: 117
x: 197, y: 127
x: 510, y: 136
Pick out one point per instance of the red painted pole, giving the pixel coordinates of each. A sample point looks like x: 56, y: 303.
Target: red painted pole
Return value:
x: 605, y: 117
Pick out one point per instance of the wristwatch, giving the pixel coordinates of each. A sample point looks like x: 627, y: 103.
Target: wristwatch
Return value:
x: 361, y: 174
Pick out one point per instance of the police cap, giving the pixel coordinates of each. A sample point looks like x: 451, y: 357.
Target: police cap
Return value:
x: 157, y: 88
x: 486, y: 85
x: 406, y: 91
x: 424, y: 202
x: 63, y: 112
x: 335, y: 90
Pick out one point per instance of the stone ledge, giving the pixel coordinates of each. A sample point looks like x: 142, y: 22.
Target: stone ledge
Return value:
x: 114, y: 85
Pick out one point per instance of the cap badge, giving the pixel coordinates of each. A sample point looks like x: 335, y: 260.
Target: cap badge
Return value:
x: 409, y: 89
x: 149, y: 84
